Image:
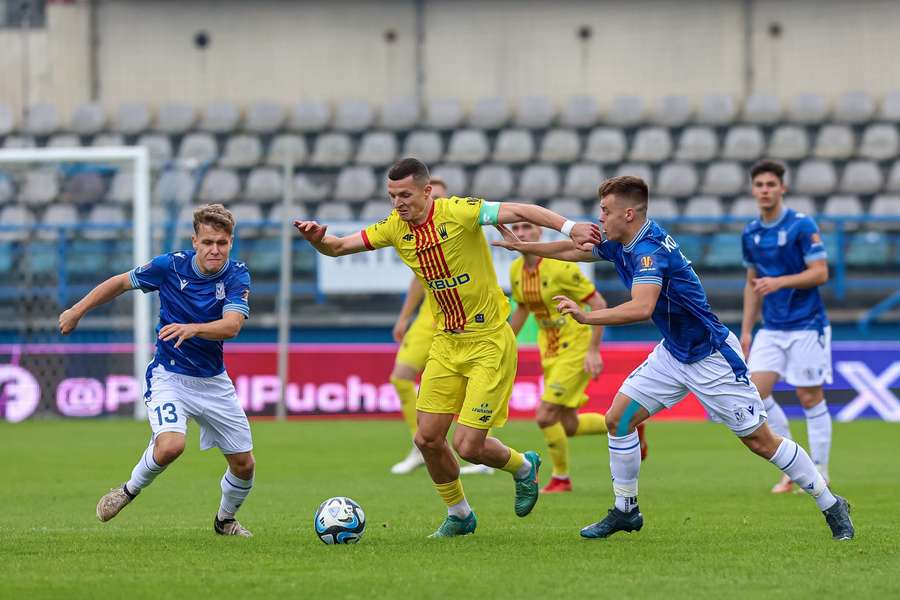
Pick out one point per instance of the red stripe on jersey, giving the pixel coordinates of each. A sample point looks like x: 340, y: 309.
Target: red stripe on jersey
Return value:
x: 442, y: 260
x: 588, y: 297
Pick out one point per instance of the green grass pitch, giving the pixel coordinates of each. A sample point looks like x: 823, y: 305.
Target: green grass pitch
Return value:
x: 711, y: 526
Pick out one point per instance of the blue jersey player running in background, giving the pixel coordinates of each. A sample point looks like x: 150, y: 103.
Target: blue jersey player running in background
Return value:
x: 203, y: 298
x: 698, y: 354
x: 786, y: 264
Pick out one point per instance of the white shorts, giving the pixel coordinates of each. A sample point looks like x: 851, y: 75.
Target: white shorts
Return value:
x: 173, y: 398
x: 719, y: 381
x: 801, y: 358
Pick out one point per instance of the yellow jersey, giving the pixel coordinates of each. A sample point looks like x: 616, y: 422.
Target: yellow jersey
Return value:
x: 535, y: 288
x: 450, y: 256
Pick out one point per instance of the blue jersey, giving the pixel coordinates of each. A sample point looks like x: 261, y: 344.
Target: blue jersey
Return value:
x: 786, y: 247
x: 690, y: 330
x: 186, y: 295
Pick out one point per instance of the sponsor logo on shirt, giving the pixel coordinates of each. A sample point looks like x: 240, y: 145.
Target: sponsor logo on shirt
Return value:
x: 183, y: 283
x: 449, y: 282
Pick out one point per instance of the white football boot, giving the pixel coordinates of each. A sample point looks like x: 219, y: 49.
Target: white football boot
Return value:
x: 409, y: 464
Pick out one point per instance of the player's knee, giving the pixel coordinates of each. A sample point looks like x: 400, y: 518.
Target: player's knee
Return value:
x: 167, y: 450
x: 612, y: 422
x: 809, y: 397
x: 545, y: 419
x: 243, y: 466
x: 469, y: 450
x: 427, y: 442
x: 571, y: 427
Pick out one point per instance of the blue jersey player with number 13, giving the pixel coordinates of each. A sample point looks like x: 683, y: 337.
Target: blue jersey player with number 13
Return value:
x: 203, y: 299
x: 698, y: 354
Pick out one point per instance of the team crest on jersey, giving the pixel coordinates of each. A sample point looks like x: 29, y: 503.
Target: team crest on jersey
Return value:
x: 756, y: 239
x: 220, y: 291
x: 471, y: 201
x: 782, y: 237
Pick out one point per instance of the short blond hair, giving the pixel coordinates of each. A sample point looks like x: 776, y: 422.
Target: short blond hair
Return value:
x: 214, y: 215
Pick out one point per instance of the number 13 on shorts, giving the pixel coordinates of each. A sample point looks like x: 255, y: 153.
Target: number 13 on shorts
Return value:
x: 166, y: 414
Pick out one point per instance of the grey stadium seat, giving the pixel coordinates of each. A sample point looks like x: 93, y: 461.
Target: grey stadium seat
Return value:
x: 651, y: 144
x: 131, y: 118
x: 353, y: 115
x: 815, y: 178
x: 854, y: 108
x: 626, y: 111
x: 560, y: 146
x: 375, y: 210
x: 761, y: 109
x: 39, y: 187
x: 673, y: 111
x: 834, y: 141
x: 199, y: 147
x: 219, y: 185
x: 605, y: 145
x: 424, y: 145
x: 893, y: 179
x: 7, y: 189
x: 88, y: 118
x: 86, y: 187
x: 743, y: 210
x: 702, y: 207
x: 539, y: 181
x: 568, y: 207
x: 247, y: 218
x: 717, y: 109
x: 724, y: 179
x: 355, y: 184
x: 843, y: 206
x: 308, y: 187
x: 159, y: 147
x: 309, y: 116
x: 11, y: 142
x: 273, y: 218
x: 265, y: 116
x: 330, y: 211
x: 241, y: 151
x: 175, y: 185
x: 697, y: 144
x: 580, y: 112
x: 861, y: 177
x: 175, y: 118
x: 494, y: 182
x: 801, y: 204
x: 789, y: 142
x: 468, y: 146
x: 444, y: 114
x: 744, y: 142
x: 7, y: 120
x: 121, y: 190
x: 287, y: 146
x: 332, y: 150
x: 15, y: 214
x: 455, y: 178
x: 42, y: 118
x: 64, y: 140
x: 583, y: 180
x: 264, y: 184
x: 400, y: 114
x: 534, y: 112
x: 886, y: 206
x: 635, y: 170
x: 807, y: 109
x: 662, y: 208
x: 105, y: 215
x: 677, y: 179
x: 220, y: 117
x: 880, y: 142
x: 889, y: 109
x: 102, y: 140
x: 377, y: 149
x: 56, y: 215
x: 514, y: 146
x: 489, y: 113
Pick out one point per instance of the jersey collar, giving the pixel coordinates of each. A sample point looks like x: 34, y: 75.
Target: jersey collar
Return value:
x: 200, y: 273
x: 784, y: 212
x: 642, y: 232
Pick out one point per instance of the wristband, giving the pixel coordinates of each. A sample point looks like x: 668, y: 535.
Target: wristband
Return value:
x: 567, y: 227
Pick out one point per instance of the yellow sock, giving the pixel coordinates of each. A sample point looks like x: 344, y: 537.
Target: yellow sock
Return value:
x: 591, y: 424
x: 558, y: 444
x: 516, y: 460
x: 406, y: 391
x: 451, y: 493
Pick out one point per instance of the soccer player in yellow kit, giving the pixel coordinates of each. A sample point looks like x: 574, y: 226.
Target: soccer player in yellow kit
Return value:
x: 472, y: 362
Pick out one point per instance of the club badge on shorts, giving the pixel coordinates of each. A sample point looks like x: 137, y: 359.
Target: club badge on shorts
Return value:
x: 220, y: 291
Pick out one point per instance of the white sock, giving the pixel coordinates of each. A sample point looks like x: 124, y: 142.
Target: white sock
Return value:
x: 461, y: 509
x: 625, y: 464
x: 777, y: 419
x: 144, y: 472
x: 818, y: 428
x: 796, y: 464
x: 523, y: 471
x: 234, y: 491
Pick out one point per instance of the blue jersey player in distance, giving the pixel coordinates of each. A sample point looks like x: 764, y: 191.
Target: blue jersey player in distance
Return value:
x: 698, y: 354
x: 203, y: 300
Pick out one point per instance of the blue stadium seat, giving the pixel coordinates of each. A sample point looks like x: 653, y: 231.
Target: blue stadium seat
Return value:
x: 262, y: 256
x: 121, y: 258
x: 304, y: 258
x: 88, y: 258
x: 42, y: 258
x: 725, y: 251
x: 8, y: 254
x: 869, y: 249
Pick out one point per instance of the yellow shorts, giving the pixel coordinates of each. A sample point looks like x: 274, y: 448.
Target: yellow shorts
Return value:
x: 565, y: 379
x: 416, y: 343
x: 472, y: 375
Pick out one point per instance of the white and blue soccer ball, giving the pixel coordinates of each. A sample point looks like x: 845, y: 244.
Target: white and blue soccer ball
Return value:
x: 340, y: 520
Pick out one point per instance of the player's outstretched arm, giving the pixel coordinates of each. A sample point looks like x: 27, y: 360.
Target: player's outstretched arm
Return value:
x: 561, y: 250
x: 584, y: 235
x: 330, y: 245
x: 222, y: 329
x: 414, y: 297
x: 752, y: 304
x: 103, y: 293
x: 639, y: 308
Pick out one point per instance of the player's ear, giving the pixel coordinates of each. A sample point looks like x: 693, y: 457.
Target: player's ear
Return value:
x: 427, y: 189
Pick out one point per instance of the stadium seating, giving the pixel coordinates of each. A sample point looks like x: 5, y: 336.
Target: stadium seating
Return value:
x: 42, y: 119
x: 175, y: 118
x: 672, y: 111
x: 724, y: 179
x: 220, y: 117
x: 835, y: 142
x: 605, y: 145
x: 400, y: 114
x: 426, y: 145
x: 489, y: 113
x: 626, y: 111
x: 744, y: 143
x: 652, y: 144
x: 219, y: 185
x: 880, y: 141
x: 539, y: 181
x: 560, y: 146
x: 309, y: 116
x: 131, y: 118
x: 355, y: 184
x: 717, y: 109
x: 444, y: 114
x: 468, y: 147
x: 88, y: 119
x: 581, y: 112
x: 807, y: 109
x: 698, y: 144
x: 762, y: 109
x: 332, y: 150
x: 241, y: 151
x: 264, y: 185
x: 789, y: 142
x: 677, y: 179
x: 869, y: 249
x: 725, y: 251
x: 377, y: 149
x: 514, y: 146
x: 353, y: 116
x: 492, y: 181
x: 582, y: 180
x: 265, y: 117
x: 534, y: 112
x: 287, y: 147
x: 158, y: 146
x: 7, y: 120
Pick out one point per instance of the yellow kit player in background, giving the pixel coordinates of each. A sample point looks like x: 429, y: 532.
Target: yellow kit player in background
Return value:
x: 472, y: 362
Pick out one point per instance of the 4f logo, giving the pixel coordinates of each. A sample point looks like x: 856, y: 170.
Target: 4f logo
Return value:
x: 408, y: 237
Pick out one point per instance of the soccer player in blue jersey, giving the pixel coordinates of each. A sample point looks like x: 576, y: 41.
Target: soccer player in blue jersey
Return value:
x: 203, y: 299
x: 786, y: 263
x: 698, y: 354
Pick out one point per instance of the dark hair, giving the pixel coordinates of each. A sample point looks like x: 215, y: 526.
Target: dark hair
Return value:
x: 627, y: 187
x: 768, y: 166
x: 405, y: 167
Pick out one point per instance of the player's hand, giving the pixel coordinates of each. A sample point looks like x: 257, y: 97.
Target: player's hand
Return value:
x: 399, y: 330
x: 178, y: 332
x: 746, y: 342
x: 567, y: 306
x: 764, y: 286
x: 593, y: 364
x: 586, y: 236
x: 510, y: 240
x: 311, y: 231
x: 68, y: 321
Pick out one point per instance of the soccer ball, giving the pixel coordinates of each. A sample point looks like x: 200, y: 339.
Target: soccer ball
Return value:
x: 340, y: 520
